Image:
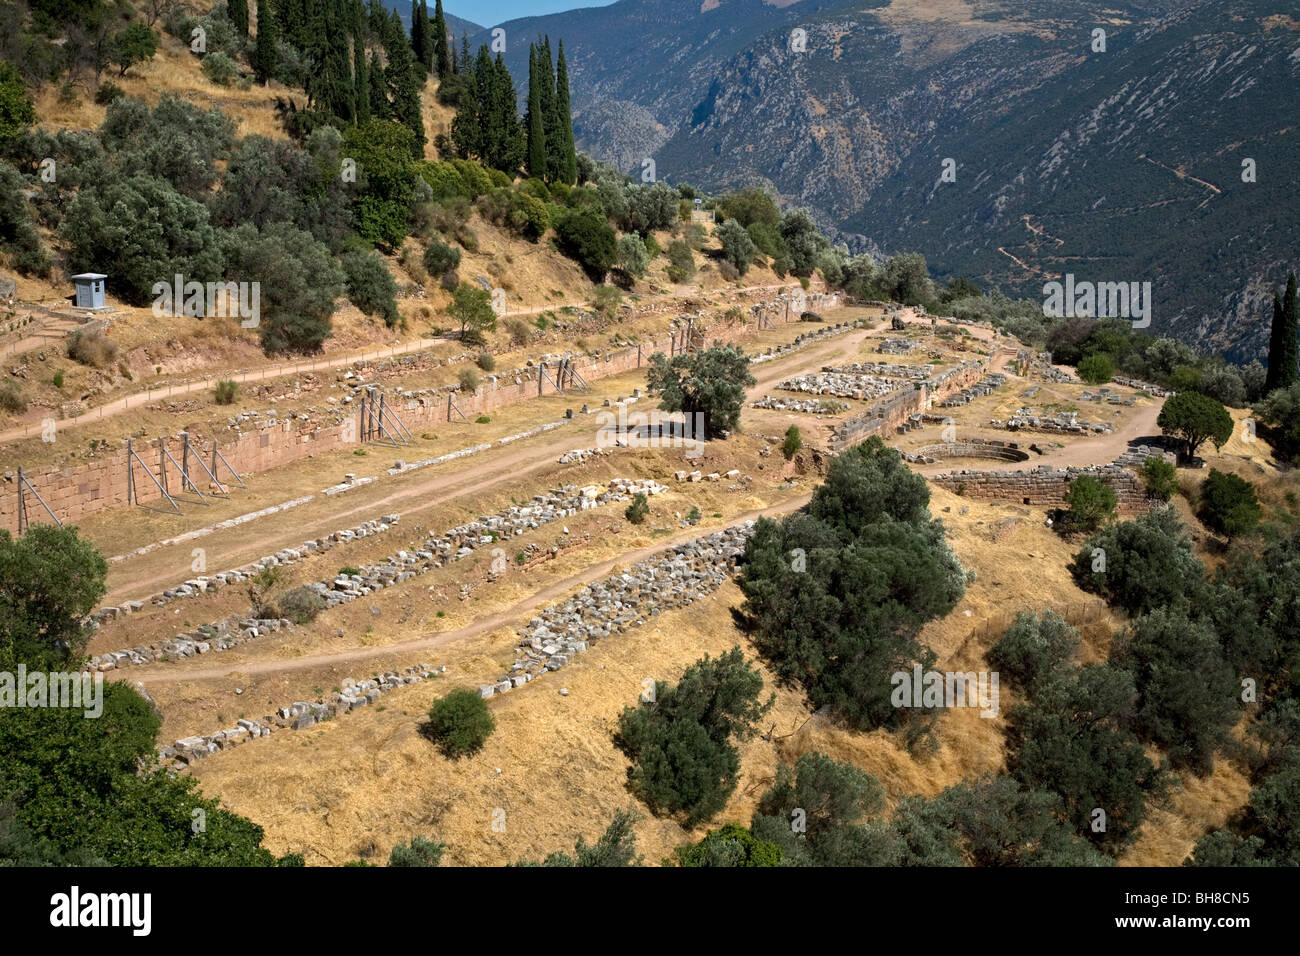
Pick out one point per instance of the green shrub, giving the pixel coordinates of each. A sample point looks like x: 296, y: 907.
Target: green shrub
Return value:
x: 793, y: 442
x: 220, y: 69
x: 737, y: 248
x: 1096, y: 369
x: 483, y: 420
x: 107, y: 92
x: 586, y: 237
x: 680, y: 740
x: 370, y: 286
x: 1033, y: 648
x: 468, y: 379
x: 419, y: 852
x: 732, y: 845
x: 301, y: 605
x: 1160, y: 478
x: 460, y: 723
x: 681, y: 263
x: 486, y: 362
x: 606, y: 299
x: 11, y: 399
x: 444, y: 180
x: 1091, y: 502
x: 637, y: 511
x: 633, y: 257
x: 58, y: 379
x: 227, y: 391
x: 1228, y: 504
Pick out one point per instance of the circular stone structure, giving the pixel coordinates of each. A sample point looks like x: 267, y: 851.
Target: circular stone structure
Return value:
x: 974, y: 448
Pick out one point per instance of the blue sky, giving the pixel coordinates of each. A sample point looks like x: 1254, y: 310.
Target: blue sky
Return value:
x: 491, y: 12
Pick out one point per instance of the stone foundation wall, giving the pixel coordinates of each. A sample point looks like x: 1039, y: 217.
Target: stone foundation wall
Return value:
x: 1046, y: 486
x: 76, y: 491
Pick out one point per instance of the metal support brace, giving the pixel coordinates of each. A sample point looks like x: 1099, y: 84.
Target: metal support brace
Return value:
x: 132, y: 457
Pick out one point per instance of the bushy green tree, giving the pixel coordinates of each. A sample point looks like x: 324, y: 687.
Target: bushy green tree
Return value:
x: 1096, y: 369
x: 1194, y: 419
x: 89, y: 790
x: 472, y: 308
x: 16, y: 110
x: 18, y: 235
x: 819, y: 813
x: 737, y: 247
x: 298, y: 282
x: 146, y: 230
x: 588, y: 239
x: 1227, y: 504
x: 134, y: 44
x: 385, y: 185
x: 1091, y: 502
x: 460, y: 723
x: 684, y: 761
x: 710, y: 383
x: 1140, y: 565
x: 371, y: 287
x: 1160, y: 477
x: 1034, y: 648
x: 1000, y: 824
x: 1188, y: 695
x: 632, y: 256
x: 615, y: 847
x: 1069, y: 738
x: 905, y: 278
x: 50, y: 580
x: 1279, y: 416
x: 730, y: 845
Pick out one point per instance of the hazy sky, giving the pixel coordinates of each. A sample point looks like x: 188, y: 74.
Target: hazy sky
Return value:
x: 490, y: 12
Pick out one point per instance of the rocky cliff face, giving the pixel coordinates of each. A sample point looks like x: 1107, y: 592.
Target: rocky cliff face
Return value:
x: 1122, y: 164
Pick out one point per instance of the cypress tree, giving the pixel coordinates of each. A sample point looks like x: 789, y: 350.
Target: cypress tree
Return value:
x: 237, y: 10
x: 536, y: 132
x: 546, y: 81
x: 464, y: 54
x: 265, y: 49
x: 564, y: 120
x: 378, y: 86
x: 420, y: 32
x: 333, y: 88
x: 510, y: 153
x: 362, y: 72
x: 404, y: 80
x: 442, y: 52
x: 1283, y: 348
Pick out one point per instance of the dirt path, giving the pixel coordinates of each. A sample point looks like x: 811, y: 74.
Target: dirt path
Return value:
x: 413, y: 496
x: 116, y: 407
x: 516, y: 612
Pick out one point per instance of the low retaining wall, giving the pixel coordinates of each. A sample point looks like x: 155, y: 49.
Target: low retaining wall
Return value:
x: 1047, y: 486
x: 74, y: 492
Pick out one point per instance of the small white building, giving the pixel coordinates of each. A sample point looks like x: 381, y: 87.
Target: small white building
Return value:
x: 90, y: 291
